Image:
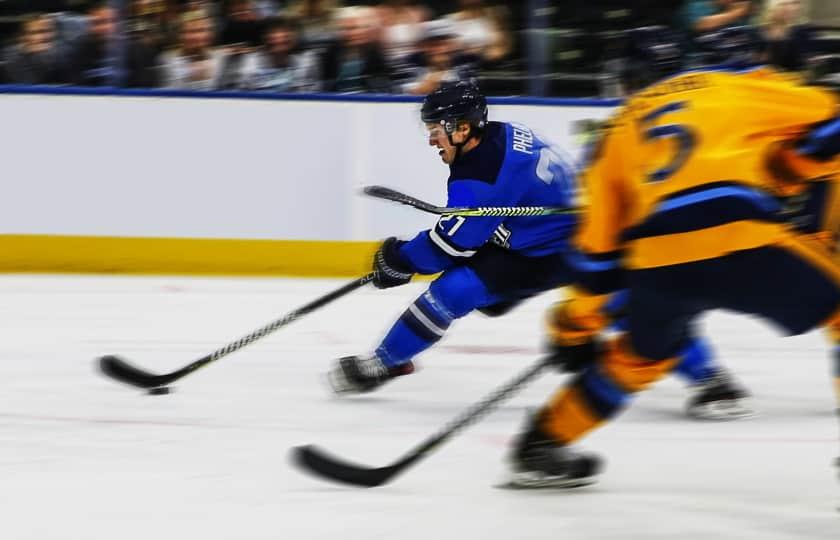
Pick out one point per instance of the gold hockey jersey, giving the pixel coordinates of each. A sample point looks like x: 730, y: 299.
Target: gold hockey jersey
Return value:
x: 692, y: 167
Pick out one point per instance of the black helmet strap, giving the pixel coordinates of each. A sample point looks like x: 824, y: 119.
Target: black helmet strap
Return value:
x: 458, y: 146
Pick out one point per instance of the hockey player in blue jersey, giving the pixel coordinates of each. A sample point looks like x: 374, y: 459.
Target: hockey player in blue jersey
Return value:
x: 488, y: 263
x: 491, y: 264
x: 485, y: 267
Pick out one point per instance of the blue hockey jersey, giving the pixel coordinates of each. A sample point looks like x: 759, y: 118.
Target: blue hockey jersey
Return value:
x: 511, y: 166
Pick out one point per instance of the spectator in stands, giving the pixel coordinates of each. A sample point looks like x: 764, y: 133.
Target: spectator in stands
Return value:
x: 789, y: 40
x: 267, y: 8
x: 70, y: 27
x: 473, y: 25
x: 354, y: 62
x: 208, y: 8
x: 278, y: 66
x: 144, y: 45
x: 500, y: 47
x: 242, y: 24
x: 212, y: 9
x: 35, y: 59
x: 438, y: 62
x: 315, y: 18
x: 402, y: 29
x: 94, y: 60
x: 195, y: 64
x: 701, y: 16
x: 158, y: 22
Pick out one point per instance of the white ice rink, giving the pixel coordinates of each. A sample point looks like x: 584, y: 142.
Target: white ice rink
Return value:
x: 82, y: 457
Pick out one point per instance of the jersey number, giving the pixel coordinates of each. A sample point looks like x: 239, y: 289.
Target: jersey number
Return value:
x: 550, y: 165
x: 459, y: 220
x: 682, y: 135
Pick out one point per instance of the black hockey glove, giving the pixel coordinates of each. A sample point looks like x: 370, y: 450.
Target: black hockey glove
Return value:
x: 389, y: 268
x: 497, y: 310
x: 574, y: 358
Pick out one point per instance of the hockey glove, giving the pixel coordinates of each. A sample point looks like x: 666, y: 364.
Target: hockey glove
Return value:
x: 390, y: 270
x: 574, y: 358
x: 499, y: 309
x: 573, y: 340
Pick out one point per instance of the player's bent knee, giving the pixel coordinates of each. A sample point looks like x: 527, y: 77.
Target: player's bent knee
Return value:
x: 631, y: 371
x: 461, y: 291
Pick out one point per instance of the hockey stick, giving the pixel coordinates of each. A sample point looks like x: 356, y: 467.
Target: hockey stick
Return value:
x: 120, y: 370
x: 315, y: 461
x: 388, y: 194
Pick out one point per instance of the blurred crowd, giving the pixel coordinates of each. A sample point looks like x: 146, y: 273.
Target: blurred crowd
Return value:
x: 786, y: 38
x: 395, y: 46
x: 389, y: 46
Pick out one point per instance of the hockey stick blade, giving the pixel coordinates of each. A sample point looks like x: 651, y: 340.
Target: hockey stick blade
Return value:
x: 317, y: 462
x: 118, y: 369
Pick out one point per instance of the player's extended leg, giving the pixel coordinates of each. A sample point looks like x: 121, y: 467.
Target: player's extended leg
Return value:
x: 492, y: 281
x: 600, y: 390
x: 795, y: 285
x: 573, y: 327
x: 658, y: 321
x: 451, y: 296
x: 541, y: 457
x: 715, y: 394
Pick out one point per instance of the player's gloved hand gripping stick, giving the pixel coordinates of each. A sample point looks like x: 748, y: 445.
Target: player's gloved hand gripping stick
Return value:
x: 120, y: 370
x: 388, y: 268
x: 315, y: 461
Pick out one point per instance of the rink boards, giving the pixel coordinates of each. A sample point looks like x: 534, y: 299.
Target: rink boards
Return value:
x: 174, y: 182
x: 183, y: 256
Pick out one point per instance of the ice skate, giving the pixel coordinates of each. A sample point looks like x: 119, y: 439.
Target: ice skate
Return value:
x: 538, y: 462
x: 358, y: 375
x: 719, y: 397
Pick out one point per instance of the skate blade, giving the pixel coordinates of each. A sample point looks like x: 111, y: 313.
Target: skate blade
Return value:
x: 338, y: 384
x: 723, y: 411
x: 341, y: 387
x: 529, y: 481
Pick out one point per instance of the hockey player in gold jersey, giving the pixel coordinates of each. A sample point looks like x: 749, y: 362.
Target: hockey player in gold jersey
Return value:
x: 714, y: 394
x: 575, y: 327
x: 691, y: 189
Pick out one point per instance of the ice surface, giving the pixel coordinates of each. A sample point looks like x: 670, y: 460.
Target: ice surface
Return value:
x: 82, y: 457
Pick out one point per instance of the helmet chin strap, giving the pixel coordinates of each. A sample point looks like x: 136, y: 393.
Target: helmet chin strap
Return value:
x: 458, y: 146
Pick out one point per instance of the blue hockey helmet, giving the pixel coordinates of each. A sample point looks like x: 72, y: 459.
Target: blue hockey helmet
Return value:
x: 455, y: 102
x: 737, y: 46
x: 652, y: 53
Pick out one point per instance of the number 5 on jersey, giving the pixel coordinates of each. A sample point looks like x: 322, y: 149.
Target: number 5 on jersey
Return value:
x: 682, y: 135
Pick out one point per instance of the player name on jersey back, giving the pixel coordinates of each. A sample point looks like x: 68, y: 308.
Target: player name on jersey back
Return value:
x: 523, y: 139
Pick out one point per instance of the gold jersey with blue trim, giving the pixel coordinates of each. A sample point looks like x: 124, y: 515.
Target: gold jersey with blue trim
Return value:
x: 677, y: 177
